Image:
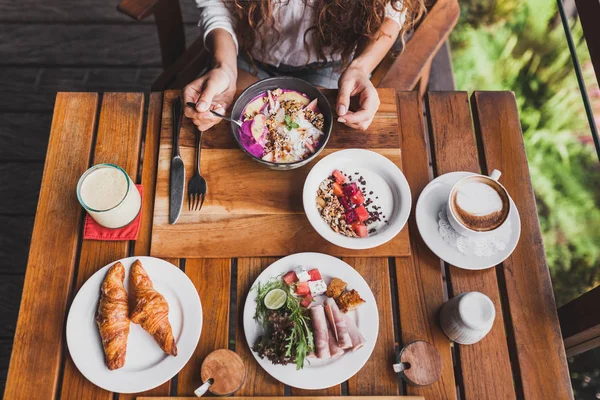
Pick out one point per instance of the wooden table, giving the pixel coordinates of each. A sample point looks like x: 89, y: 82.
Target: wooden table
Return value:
x: 522, y: 357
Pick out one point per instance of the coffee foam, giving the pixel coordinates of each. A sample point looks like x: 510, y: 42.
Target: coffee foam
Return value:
x: 480, y: 204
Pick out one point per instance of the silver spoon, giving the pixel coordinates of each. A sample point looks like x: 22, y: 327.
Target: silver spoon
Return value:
x: 238, y: 123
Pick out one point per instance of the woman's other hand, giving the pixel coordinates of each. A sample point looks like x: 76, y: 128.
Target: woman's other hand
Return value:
x: 212, y: 91
x: 355, y: 82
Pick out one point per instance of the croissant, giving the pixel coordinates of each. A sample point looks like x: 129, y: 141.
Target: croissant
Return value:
x: 112, y: 317
x: 150, y: 309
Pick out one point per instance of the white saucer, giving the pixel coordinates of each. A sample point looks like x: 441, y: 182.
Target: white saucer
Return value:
x: 431, y: 201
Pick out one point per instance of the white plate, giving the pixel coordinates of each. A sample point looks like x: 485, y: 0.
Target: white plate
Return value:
x: 432, y: 199
x: 146, y: 366
x: 383, y: 177
x: 319, y: 374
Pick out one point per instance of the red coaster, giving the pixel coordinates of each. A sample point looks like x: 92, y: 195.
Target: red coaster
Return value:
x: 94, y: 231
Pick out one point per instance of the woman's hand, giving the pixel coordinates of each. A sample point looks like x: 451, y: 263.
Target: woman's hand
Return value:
x: 355, y: 82
x: 212, y: 91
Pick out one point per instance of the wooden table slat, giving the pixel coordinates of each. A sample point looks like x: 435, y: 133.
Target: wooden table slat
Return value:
x: 36, y: 355
x: 383, y: 382
x: 148, y: 175
x: 533, y: 317
x: 258, y: 381
x: 485, y: 366
x: 148, y: 180
x: 118, y: 142
x: 419, y: 277
x: 212, y: 278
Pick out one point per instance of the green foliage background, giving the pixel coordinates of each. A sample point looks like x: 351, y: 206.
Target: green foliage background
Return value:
x: 520, y: 45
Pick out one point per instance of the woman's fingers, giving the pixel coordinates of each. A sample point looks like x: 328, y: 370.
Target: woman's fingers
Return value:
x: 344, y: 92
x: 362, y: 118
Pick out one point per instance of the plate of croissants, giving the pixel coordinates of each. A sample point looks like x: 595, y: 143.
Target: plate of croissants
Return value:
x: 134, y: 324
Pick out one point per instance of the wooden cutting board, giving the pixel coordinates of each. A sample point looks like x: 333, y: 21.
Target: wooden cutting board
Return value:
x: 249, y: 210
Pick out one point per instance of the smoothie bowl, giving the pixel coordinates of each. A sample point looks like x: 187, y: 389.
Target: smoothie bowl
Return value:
x: 286, y: 122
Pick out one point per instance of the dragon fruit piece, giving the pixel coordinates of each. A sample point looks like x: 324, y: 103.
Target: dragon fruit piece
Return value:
x: 351, y: 217
x: 350, y: 189
x: 345, y: 203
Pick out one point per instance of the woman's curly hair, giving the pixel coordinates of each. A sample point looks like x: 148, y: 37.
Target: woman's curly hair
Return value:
x: 338, y: 25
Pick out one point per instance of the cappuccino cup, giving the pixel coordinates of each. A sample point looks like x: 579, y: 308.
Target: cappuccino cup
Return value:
x: 478, y: 205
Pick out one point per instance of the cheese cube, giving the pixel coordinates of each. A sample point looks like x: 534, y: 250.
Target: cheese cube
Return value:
x: 317, y: 288
x: 302, y: 274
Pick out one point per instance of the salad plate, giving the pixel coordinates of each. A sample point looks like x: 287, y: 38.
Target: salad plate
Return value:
x: 316, y: 373
x: 146, y: 365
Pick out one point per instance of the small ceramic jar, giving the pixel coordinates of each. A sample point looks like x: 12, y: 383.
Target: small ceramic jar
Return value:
x: 468, y: 317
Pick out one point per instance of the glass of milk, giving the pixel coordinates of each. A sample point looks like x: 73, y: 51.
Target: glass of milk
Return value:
x: 109, y: 195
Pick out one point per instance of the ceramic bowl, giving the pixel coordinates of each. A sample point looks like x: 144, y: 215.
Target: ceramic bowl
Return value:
x: 284, y: 82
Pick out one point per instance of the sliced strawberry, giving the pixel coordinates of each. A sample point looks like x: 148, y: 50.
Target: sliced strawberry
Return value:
x: 315, y: 275
x: 360, y: 229
x: 337, y: 189
x: 358, y: 198
x: 362, y: 213
x: 350, y: 189
x: 306, y: 301
x: 302, y: 288
x: 290, y: 278
x: 339, y: 177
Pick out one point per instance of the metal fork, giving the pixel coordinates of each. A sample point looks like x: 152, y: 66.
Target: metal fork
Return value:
x: 197, y: 186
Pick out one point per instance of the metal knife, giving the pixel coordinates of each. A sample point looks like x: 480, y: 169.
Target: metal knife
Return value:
x: 177, y: 177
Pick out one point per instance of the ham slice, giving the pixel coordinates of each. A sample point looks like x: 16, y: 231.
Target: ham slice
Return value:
x: 358, y: 339
x: 320, y: 332
x: 338, y: 323
x: 334, y: 349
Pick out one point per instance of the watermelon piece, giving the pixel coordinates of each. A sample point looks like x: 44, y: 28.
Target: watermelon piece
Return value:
x: 337, y: 189
x: 290, y: 278
x: 360, y: 229
x: 315, y: 275
x: 362, y: 213
x: 350, y: 189
x: 358, y: 198
x: 302, y: 288
x: 339, y: 177
x: 306, y: 301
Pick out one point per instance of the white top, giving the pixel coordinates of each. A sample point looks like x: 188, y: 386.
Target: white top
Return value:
x: 292, y: 19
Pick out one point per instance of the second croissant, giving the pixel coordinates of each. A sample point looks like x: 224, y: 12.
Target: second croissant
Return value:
x: 150, y: 309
